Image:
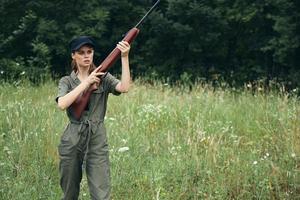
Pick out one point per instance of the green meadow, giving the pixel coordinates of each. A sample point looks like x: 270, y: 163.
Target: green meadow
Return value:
x: 165, y: 143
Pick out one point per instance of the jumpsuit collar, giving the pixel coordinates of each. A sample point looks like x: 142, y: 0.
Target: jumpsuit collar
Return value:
x: 75, y: 78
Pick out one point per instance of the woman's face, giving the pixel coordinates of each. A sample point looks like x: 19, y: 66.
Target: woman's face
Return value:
x: 83, y: 56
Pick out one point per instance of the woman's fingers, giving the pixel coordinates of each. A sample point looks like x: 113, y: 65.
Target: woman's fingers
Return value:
x: 125, y: 43
x: 123, y: 46
x: 99, y: 73
x: 94, y: 77
x: 120, y: 48
x: 95, y: 70
x: 97, y: 80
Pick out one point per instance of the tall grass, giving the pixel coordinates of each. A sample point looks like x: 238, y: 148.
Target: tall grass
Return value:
x: 183, y: 144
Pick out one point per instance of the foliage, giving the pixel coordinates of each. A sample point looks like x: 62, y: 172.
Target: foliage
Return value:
x: 236, y: 41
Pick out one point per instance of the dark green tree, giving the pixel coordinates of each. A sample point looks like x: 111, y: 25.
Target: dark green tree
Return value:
x: 234, y: 41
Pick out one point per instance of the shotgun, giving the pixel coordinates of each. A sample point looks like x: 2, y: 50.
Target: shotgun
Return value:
x: 81, y: 102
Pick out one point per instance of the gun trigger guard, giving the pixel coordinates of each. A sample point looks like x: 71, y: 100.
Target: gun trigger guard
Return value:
x: 103, y: 76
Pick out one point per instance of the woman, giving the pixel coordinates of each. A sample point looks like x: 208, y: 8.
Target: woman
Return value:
x: 85, y: 139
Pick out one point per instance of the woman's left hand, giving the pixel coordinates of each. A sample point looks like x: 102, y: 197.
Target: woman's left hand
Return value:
x: 124, y: 47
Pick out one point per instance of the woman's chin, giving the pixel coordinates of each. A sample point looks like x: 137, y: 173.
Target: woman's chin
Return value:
x: 85, y: 65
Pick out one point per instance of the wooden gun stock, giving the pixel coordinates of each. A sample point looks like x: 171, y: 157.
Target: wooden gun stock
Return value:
x: 79, y: 105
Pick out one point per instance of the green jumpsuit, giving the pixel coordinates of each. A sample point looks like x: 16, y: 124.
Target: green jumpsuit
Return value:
x: 86, y: 139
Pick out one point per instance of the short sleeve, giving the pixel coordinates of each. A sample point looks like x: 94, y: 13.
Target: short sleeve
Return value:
x: 63, y: 88
x: 110, y: 84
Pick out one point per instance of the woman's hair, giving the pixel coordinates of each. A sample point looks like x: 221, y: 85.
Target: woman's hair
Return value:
x: 75, y: 67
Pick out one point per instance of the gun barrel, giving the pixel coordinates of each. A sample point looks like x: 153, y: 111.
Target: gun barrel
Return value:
x: 148, y: 13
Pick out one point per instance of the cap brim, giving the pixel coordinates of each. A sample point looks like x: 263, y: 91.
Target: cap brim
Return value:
x: 81, y: 44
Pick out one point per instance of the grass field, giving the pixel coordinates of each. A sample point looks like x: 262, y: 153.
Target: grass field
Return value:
x: 199, y: 144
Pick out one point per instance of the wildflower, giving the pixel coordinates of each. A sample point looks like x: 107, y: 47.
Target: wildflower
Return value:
x: 1, y: 72
x: 259, y: 89
x: 202, y: 139
x: 110, y: 118
x: 293, y: 155
x: 23, y: 72
x: 266, y: 155
x: 255, y: 162
x: 173, y: 151
x: 123, y: 149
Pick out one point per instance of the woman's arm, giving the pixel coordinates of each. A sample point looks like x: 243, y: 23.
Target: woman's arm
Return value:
x: 124, y: 85
x: 66, y: 100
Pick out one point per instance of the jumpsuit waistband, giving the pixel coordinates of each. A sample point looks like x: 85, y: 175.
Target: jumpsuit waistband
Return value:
x: 88, y: 123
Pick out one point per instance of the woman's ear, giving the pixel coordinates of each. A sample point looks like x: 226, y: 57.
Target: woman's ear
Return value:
x: 73, y: 55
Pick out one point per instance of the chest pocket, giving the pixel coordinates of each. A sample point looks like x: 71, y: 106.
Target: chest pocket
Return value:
x: 96, y: 96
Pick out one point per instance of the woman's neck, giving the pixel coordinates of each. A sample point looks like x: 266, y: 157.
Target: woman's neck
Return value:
x: 82, y: 73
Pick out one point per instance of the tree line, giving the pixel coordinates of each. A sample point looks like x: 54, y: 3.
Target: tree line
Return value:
x: 235, y: 41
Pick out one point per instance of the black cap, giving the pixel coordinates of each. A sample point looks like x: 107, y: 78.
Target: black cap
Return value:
x: 78, y: 42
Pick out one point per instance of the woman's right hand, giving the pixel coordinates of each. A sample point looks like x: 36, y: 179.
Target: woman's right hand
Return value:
x: 94, y: 77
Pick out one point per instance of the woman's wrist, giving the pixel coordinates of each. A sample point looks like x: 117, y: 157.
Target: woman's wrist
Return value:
x: 86, y: 83
x: 125, y: 55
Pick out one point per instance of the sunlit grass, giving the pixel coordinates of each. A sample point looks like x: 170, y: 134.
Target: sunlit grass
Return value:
x: 165, y: 143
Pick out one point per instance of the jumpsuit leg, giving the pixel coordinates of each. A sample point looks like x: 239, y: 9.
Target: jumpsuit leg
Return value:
x: 70, y: 166
x: 71, y: 174
x: 97, y: 166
